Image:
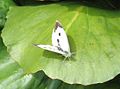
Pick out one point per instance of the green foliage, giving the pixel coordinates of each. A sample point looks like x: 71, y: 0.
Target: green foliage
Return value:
x: 93, y: 35
x: 105, y: 4
x: 4, y: 6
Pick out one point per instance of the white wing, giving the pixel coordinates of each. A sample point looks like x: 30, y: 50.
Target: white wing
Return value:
x: 51, y: 48
x: 59, y: 41
x: 59, y: 37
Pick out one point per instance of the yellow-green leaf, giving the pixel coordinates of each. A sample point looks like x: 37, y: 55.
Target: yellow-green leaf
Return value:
x: 94, y: 36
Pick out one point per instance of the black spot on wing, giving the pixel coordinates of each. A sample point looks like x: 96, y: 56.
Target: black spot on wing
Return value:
x: 59, y: 34
x: 60, y: 49
x: 58, y: 40
x: 66, y: 52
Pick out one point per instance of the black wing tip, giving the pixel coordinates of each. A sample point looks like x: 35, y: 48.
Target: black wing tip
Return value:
x: 58, y: 24
x: 35, y: 44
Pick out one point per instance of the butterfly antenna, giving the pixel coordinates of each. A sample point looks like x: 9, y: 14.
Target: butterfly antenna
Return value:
x: 73, y: 53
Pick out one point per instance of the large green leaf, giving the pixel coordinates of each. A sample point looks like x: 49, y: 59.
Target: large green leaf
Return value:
x: 94, y: 35
x: 12, y: 77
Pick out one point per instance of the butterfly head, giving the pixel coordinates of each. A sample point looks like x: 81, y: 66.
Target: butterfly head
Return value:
x: 67, y: 54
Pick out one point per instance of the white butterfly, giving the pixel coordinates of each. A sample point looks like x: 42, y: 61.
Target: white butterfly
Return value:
x: 59, y: 42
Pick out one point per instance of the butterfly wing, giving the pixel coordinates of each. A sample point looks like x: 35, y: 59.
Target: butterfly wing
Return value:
x: 50, y: 48
x: 59, y: 37
x: 59, y: 41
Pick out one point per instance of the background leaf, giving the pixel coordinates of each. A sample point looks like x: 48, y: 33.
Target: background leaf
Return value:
x: 4, y: 6
x: 105, y: 4
x: 93, y: 34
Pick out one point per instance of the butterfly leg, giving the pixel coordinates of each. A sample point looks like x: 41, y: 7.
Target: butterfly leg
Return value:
x: 64, y: 59
x: 69, y: 58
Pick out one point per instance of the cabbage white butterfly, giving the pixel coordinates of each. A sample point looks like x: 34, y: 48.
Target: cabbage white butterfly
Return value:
x: 60, y: 42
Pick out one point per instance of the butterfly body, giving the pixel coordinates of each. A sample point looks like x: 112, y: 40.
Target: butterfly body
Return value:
x: 59, y: 42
